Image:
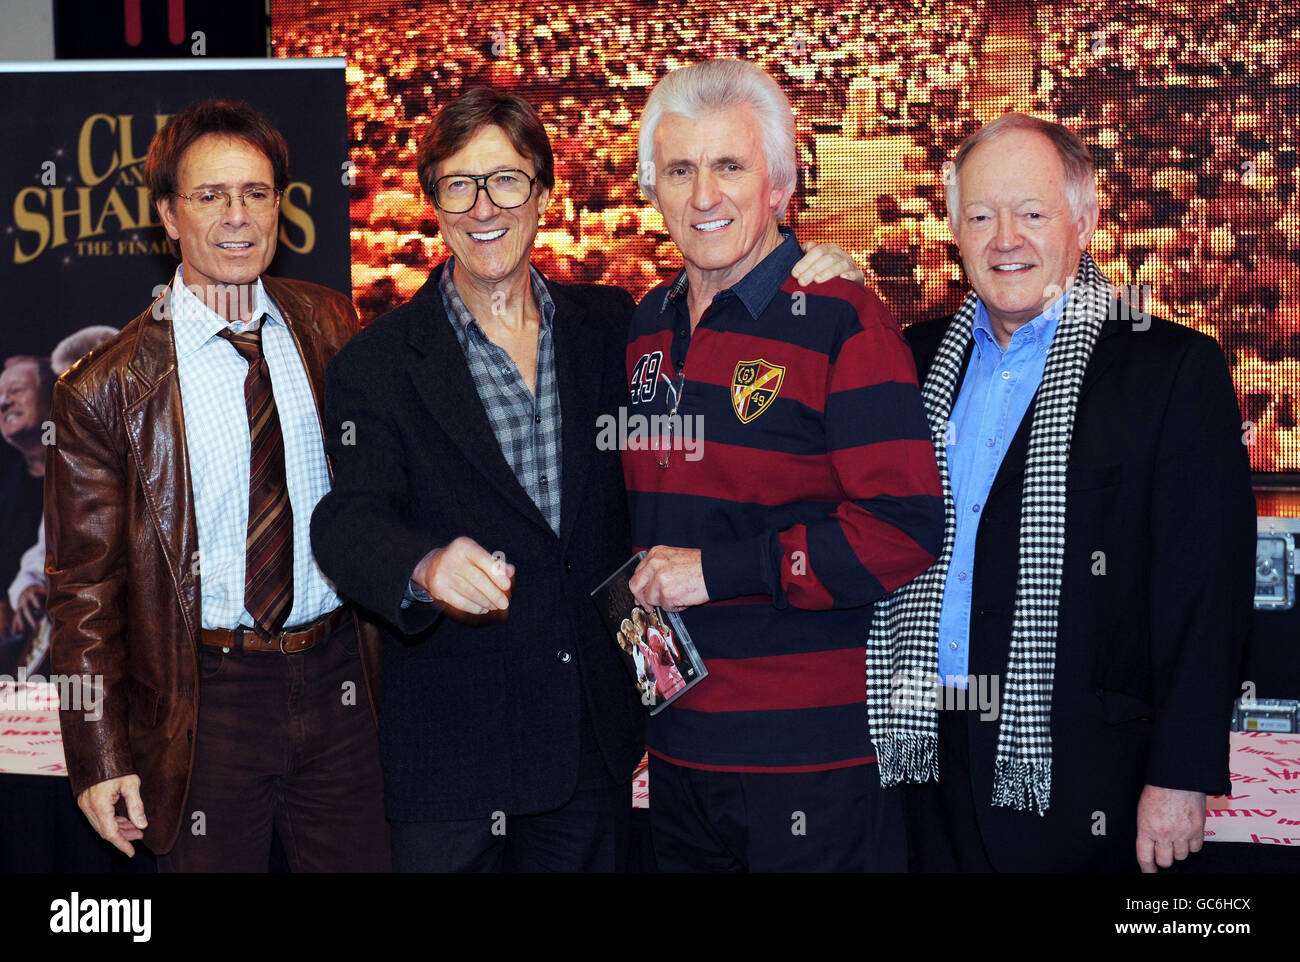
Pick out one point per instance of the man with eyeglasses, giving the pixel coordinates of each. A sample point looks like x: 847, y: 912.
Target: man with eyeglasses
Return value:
x: 238, y: 690
x: 474, y: 511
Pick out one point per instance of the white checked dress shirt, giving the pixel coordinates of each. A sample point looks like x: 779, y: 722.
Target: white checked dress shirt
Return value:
x: 216, y: 432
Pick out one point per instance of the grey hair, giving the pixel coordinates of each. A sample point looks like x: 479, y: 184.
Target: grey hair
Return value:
x: 45, y: 375
x: 714, y: 86
x: 1080, y: 173
x: 77, y: 345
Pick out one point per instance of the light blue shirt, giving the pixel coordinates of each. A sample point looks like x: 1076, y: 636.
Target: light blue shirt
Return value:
x: 995, y: 394
x: 218, y: 445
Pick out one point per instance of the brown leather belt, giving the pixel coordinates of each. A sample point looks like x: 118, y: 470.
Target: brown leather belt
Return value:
x: 287, y: 642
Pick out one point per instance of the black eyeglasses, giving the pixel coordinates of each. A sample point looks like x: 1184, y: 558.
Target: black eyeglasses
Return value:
x: 458, y: 193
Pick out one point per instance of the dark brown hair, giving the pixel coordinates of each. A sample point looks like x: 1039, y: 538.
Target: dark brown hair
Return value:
x: 211, y: 116
x: 482, y: 107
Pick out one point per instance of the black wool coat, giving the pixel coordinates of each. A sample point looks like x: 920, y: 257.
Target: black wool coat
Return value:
x: 479, y: 719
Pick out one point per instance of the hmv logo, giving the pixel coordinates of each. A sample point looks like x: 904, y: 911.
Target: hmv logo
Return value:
x: 135, y: 22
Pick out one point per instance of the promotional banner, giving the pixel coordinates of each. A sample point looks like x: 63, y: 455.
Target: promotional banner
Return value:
x: 1264, y: 807
x: 83, y: 252
x: 30, y: 743
x: 81, y: 243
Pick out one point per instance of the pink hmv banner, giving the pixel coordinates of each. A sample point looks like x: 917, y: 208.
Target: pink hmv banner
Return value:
x: 1264, y: 806
x: 30, y: 743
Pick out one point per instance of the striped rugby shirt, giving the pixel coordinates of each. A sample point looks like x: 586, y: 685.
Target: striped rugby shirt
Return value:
x: 813, y: 493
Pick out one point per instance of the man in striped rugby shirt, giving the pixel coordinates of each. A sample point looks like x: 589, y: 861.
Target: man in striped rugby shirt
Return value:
x: 814, y: 493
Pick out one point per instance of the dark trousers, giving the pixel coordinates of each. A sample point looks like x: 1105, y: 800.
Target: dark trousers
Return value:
x: 588, y: 833
x: 285, y: 742
x: 942, y: 824
x: 830, y: 821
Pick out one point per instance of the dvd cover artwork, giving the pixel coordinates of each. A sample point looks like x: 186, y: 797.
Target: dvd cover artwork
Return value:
x: 653, y: 644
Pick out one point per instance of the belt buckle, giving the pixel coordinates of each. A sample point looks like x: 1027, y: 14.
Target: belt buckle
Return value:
x: 283, y: 634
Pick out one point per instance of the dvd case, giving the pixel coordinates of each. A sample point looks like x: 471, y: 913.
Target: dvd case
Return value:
x: 653, y: 644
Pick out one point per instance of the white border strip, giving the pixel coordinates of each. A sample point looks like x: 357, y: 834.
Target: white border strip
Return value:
x: 146, y: 65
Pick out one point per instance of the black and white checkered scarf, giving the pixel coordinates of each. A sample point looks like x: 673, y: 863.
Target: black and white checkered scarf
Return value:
x: 903, y: 644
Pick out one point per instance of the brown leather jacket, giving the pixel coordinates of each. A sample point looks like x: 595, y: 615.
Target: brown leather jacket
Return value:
x: 122, y: 542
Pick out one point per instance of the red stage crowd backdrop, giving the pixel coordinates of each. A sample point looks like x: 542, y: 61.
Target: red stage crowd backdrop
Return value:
x: 1190, y: 107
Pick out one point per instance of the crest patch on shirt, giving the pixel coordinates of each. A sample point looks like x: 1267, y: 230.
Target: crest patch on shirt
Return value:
x: 754, y: 387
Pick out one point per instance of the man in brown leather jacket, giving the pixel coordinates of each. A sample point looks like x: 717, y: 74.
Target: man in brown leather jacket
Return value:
x: 238, y: 691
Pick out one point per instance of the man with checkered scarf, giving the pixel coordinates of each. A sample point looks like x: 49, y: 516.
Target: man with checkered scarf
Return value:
x: 1096, y: 574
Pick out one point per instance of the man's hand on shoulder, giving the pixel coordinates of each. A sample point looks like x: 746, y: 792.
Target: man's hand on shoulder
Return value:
x: 671, y: 578
x: 98, y: 801
x: 1170, y: 824
x: 823, y: 262
x: 466, y: 578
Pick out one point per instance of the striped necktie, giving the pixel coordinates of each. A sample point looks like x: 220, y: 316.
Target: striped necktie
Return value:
x: 268, y: 573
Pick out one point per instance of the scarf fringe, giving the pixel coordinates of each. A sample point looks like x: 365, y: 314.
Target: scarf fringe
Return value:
x: 1023, y: 785
x: 907, y: 757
